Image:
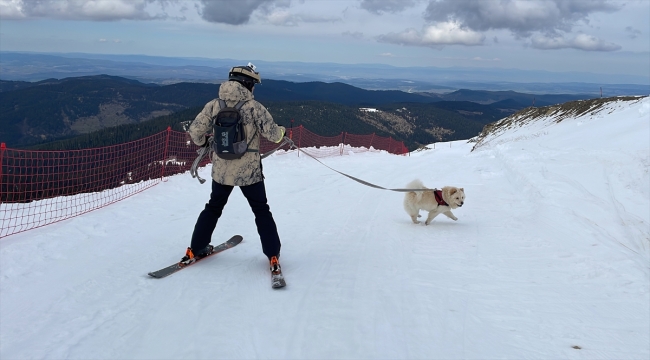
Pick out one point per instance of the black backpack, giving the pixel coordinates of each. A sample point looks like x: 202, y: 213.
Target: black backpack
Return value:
x: 229, y: 140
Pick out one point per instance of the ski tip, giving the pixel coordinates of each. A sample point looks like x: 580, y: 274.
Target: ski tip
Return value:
x: 236, y: 239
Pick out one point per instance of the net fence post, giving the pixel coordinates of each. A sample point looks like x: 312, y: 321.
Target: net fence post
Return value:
x: 164, y: 164
x: 3, y: 147
x: 299, y: 137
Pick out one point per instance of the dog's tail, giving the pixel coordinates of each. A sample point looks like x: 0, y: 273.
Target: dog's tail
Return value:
x: 416, y: 184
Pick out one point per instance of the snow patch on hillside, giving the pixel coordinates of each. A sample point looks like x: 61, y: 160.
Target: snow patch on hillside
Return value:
x: 535, y: 121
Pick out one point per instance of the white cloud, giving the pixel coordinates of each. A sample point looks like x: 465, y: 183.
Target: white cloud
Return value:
x: 11, y: 10
x: 355, y: 34
x: 437, y: 35
x: 239, y: 12
x: 478, y: 58
x: 580, y: 42
x: 522, y: 17
x: 382, y: 6
x: 283, y: 17
x: 97, y: 10
x: 547, y: 23
x: 632, y: 33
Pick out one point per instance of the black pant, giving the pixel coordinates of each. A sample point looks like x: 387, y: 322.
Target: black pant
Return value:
x: 256, y: 196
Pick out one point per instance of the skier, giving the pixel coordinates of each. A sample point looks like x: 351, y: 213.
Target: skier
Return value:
x: 244, y: 172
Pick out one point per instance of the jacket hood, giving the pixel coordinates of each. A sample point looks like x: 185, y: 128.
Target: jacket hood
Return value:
x: 234, y: 91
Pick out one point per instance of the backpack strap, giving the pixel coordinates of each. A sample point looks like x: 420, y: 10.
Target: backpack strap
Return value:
x: 238, y: 106
x: 240, y: 103
x: 222, y: 104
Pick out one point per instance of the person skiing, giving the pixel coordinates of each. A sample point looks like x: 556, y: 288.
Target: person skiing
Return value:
x: 244, y: 172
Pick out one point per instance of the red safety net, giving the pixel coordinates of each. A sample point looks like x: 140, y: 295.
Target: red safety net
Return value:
x: 38, y: 188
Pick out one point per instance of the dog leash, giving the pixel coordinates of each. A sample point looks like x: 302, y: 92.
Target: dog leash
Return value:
x: 203, y: 151
x: 352, y: 177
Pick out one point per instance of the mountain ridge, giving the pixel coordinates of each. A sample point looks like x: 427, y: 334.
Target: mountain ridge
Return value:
x: 32, y: 66
x: 52, y: 109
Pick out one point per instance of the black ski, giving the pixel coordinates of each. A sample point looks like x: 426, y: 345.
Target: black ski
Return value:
x: 179, y: 266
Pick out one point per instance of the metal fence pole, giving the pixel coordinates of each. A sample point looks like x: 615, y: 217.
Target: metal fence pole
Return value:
x: 3, y: 147
x: 164, y: 164
x: 299, y: 138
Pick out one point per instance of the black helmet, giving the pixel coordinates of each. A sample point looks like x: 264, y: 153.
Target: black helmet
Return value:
x: 245, y: 75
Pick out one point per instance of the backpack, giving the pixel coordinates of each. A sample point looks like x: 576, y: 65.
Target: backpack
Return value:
x: 229, y: 140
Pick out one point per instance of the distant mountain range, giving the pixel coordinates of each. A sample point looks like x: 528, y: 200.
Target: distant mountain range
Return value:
x: 19, y: 66
x: 53, y: 109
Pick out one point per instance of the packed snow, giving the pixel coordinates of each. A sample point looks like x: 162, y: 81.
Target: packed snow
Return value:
x: 549, y: 259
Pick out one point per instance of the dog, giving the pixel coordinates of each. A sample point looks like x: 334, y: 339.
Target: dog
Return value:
x: 434, y: 201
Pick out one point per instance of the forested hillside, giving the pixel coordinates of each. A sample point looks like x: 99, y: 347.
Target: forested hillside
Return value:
x: 122, y: 133
x: 53, y: 109
x: 414, y: 124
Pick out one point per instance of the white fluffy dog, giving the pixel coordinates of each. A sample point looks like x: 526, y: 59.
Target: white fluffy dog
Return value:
x: 434, y: 201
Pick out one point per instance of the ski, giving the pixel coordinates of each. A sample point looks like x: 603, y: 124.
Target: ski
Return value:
x: 159, y: 274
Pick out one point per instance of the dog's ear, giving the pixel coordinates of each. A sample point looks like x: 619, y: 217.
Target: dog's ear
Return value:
x: 461, y: 189
x: 453, y: 191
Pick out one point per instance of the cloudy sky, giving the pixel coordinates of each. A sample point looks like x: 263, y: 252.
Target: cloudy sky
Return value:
x: 601, y: 36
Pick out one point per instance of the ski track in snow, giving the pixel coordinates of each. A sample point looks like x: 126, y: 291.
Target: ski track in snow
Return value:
x: 550, y: 252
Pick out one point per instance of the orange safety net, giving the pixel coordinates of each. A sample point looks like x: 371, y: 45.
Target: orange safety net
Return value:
x: 38, y: 188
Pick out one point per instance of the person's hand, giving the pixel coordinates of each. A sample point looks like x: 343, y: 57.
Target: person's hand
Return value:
x: 207, y: 141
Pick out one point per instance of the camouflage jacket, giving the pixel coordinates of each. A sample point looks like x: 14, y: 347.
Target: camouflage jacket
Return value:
x: 257, y: 121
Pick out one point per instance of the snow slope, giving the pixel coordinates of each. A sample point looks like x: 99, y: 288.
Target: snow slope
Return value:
x: 550, y: 259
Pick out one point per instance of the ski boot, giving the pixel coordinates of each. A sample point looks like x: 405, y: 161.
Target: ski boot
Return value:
x: 275, y: 266
x: 190, y: 256
x: 276, y: 274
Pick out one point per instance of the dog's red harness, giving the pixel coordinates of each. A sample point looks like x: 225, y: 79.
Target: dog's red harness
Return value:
x: 439, y: 200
